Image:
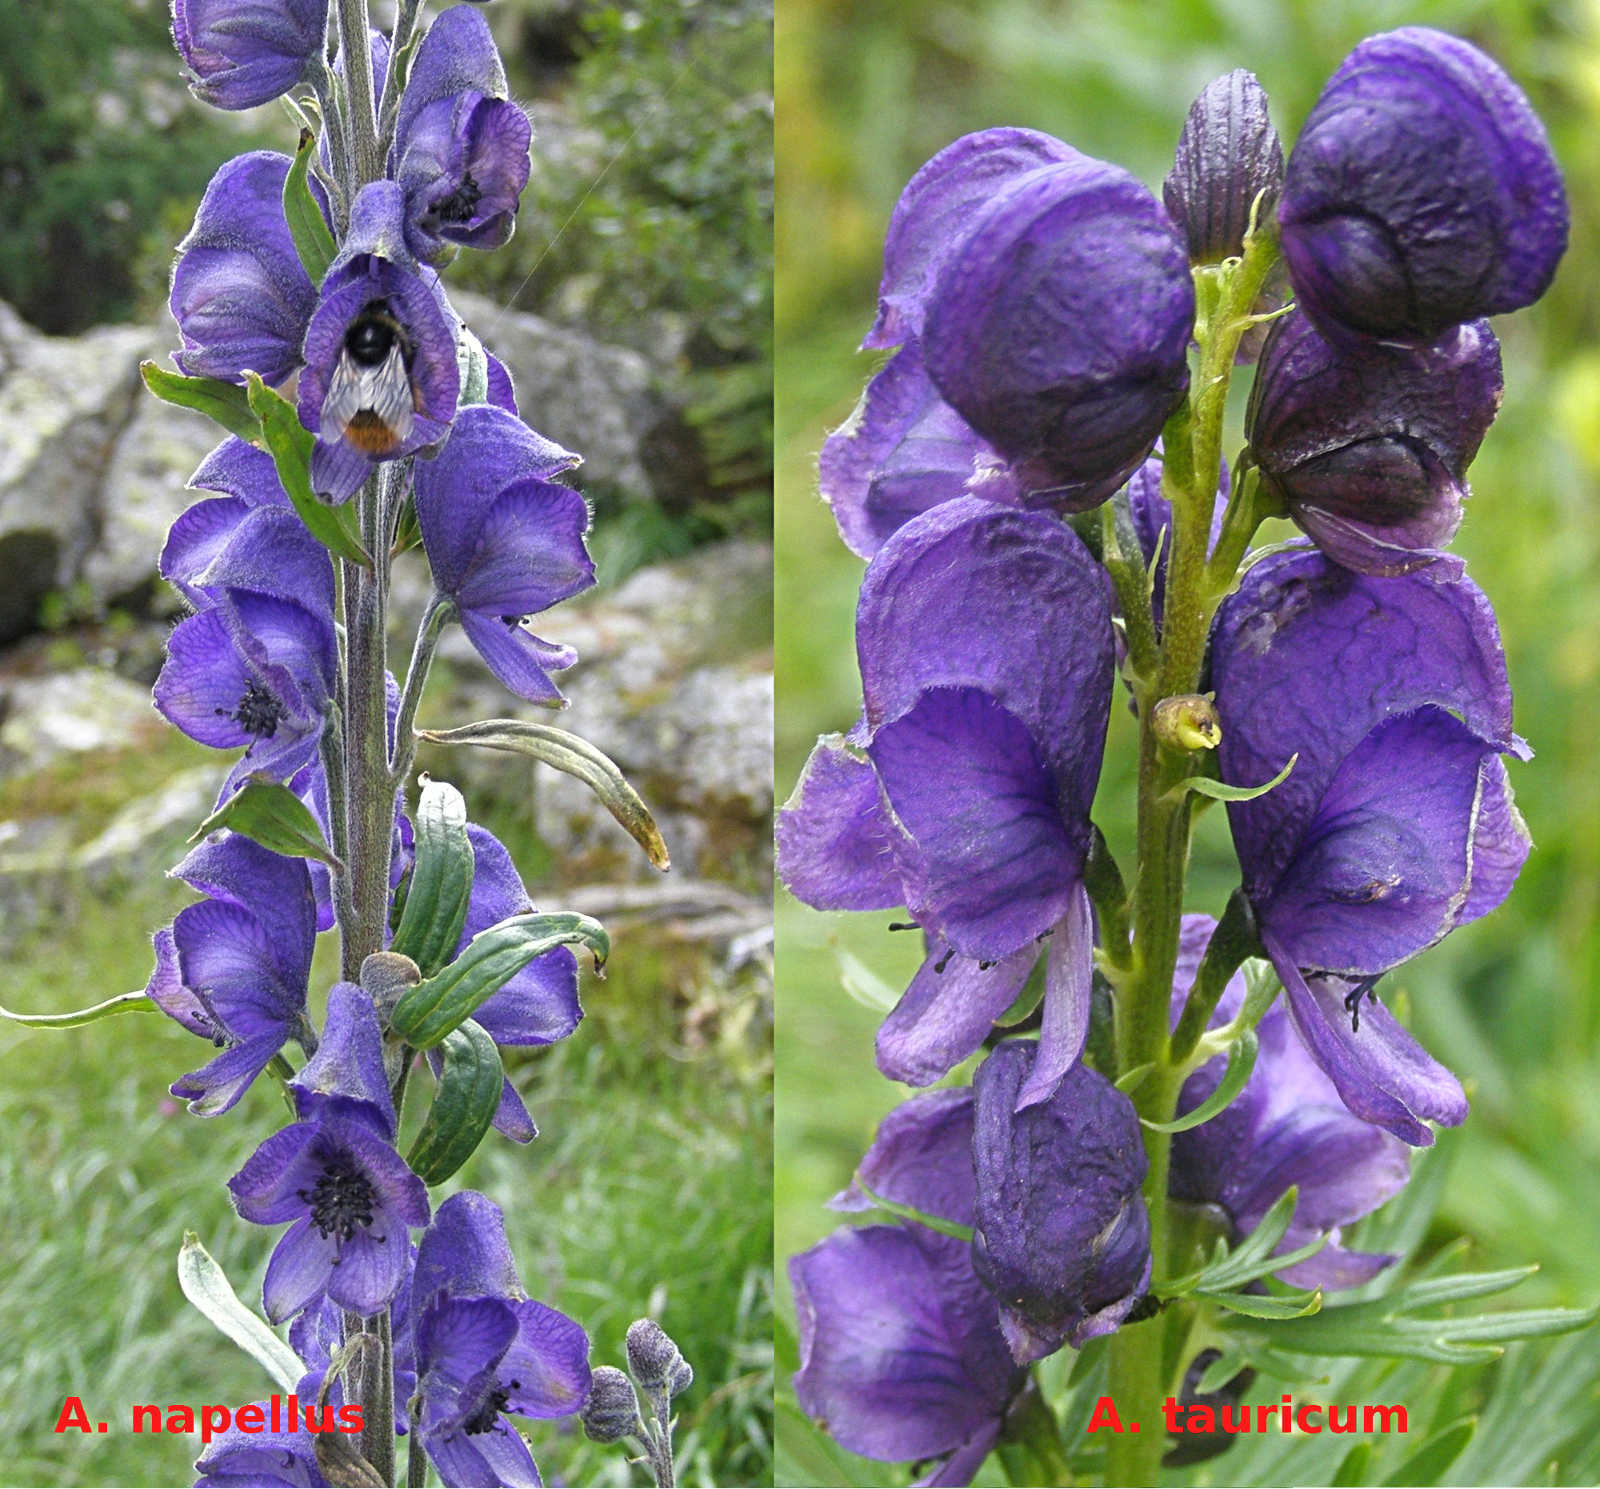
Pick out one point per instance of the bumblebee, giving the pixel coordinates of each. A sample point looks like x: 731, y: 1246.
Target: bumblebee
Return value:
x: 370, y: 399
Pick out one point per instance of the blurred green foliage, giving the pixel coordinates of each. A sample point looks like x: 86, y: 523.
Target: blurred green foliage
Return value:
x: 869, y: 90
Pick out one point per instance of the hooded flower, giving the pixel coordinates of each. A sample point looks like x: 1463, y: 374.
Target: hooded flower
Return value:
x: 1061, y: 1236
x: 1229, y: 164
x: 505, y: 542
x: 234, y: 968
x: 984, y: 639
x: 1421, y: 192
x: 485, y: 1348
x: 1396, y: 824
x: 241, y: 53
x: 381, y: 378
x: 1152, y: 523
x: 240, y: 295
x: 1287, y: 1127
x: 251, y: 670
x: 271, y: 1460
x: 336, y: 1176
x: 1053, y: 306
x: 1367, y: 444
x: 246, y: 538
x: 461, y: 148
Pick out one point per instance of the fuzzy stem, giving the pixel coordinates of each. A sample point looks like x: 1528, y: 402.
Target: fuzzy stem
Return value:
x: 1191, y: 471
x: 439, y: 612
x: 362, y: 121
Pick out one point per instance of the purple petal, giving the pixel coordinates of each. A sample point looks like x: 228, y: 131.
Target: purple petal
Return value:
x: 242, y: 54
x: 203, y: 681
x: 530, y: 553
x: 465, y: 1252
x: 298, y: 1271
x: 833, y: 836
x: 498, y: 1458
x: 266, y: 1190
x: 239, y: 469
x: 1500, y: 845
x: 458, y: 54
x: 511, y: 1117
x: 960, y: 1467
x: 216, y: 1087
x: 348, y: 1064
x: 900, y: 1349
x: 372, y: 1265
x: 902, y: 450
x: 921, y: 1156
x: 167, y: 991
x: 548, y: 1361
x: 196, y: 538
x: 944, y: 1016
x: 271, y: 553
x: 936, y: 211
x: 1068, y: 988
x: 521, y: 660
x: 272, y: 887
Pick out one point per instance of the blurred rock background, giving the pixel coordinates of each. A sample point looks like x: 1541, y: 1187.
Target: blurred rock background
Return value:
x: 633, y: 308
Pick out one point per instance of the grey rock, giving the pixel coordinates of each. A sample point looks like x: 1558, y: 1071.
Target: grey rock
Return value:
x: 77, y: 712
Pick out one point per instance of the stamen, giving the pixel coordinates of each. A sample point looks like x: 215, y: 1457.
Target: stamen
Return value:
x: 461, y: 203
x: 487, y: 1417
x: 341, y: 1199
x: 904, y: 925
x: 944, y: 961
x: 259, y: 712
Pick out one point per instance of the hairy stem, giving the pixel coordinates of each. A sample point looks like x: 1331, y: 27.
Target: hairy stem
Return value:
x: 1192, y: 442
x: 434, y: 618
x: 361, y: 122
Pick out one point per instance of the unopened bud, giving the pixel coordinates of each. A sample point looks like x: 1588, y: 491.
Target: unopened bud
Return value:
x: 1228, y: 158
x: 611, y: 1411
x: 681, y: 1378
x: 654, y: 1359
x: 386, y: 976
x: 1187, y: 722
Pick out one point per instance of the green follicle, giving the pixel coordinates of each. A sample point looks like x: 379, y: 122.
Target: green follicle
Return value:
x: 1187, y: 722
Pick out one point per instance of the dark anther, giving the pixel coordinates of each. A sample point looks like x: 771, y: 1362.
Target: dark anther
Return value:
x: 461, y: 203
x: 487, y: 1417
x: 1352, y: 1003
x: 904, y: 925
x: 258, y: 713
x: 984, y: 966
x: 341, y: 1199
x: 1147, y: 1307
x: 511, y: 622
x: 944, y: 961
x: 1045, y: 935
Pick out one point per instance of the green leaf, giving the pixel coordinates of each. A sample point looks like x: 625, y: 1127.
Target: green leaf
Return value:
x: 269, y: 813
x: 122, y: 1003
x: 1220, y: 1371
x: 290, y: 444
x: 1131, y: 1080
x: 1221, y: 791
x: 577, y: 757
x: 1241, y: 1061
x: 1352, y: 1468
x: 1252, y: 1259
x: 441, y: 883
x: 473, y: 363
x: 224, y: 403
x: 1428, y: 1464
x: 206, y: 1286
x: 463, y: 1107
x: 446, y: 1000
x: 312, y: 239
x: 1264, y: 1305
x: 863, y: 984
x: 921, y: 1217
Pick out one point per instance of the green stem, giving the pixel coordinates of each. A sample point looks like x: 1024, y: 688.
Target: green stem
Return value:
x: 355, y: 52
x: 439, y: 612
x: 1192, y: 444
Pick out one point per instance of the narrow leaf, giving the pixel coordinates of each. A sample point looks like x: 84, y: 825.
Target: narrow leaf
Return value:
x: 206, y: 1286
x: 1241, y: 1061
x: 1264, y: 1305
x: 577, y: 757
x: 921, y: 1217
x: 1428, y: 1464
x: 312, y: 239
x: 863, y: 984
x: 290, y: 444
x: 1220, y: 1371
x: 1130, y: 1080
x: 446, y: 1000
x: 1221, y: 791
x: 1352, y: 1469
x: 224, y: 403
x: 463, y: 1106
x: 441, y: 882
x: 122, y: 1003
x: 269, y: 813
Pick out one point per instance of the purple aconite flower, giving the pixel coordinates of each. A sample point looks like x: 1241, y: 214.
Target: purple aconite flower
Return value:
x: 1366, y: 444
x: 1421, y: 192
x: 241, y: 53
x: 1053, y: 305
x: 1287, y: 1127
x: 1396, y: 824
x: 1229, y: 164
x: 318, y: 1331
x: 901, y: 1354
x: 270, y: 1460
x: 255, y: 671
x: 1152, y: 523
x: 234, y: 968
x: 1061, y: 1236
x: 901, y: 451
x: 484, y: 1348
x: 240, y: 295
x: 336, y: 1175
x: 381, y: 378
x: 461, y: 148
x: 984, y: 640
x: 505, y: 542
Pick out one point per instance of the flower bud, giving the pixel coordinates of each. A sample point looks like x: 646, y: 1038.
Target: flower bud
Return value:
x: 1228, y: 155
x: 241, y: 53
x: 1366, y: 445
x: 1059, y: 328
x: 653, y: 1357
x: 611, y: 1411
x: 1422, y: 192
x: 1187, y: 722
